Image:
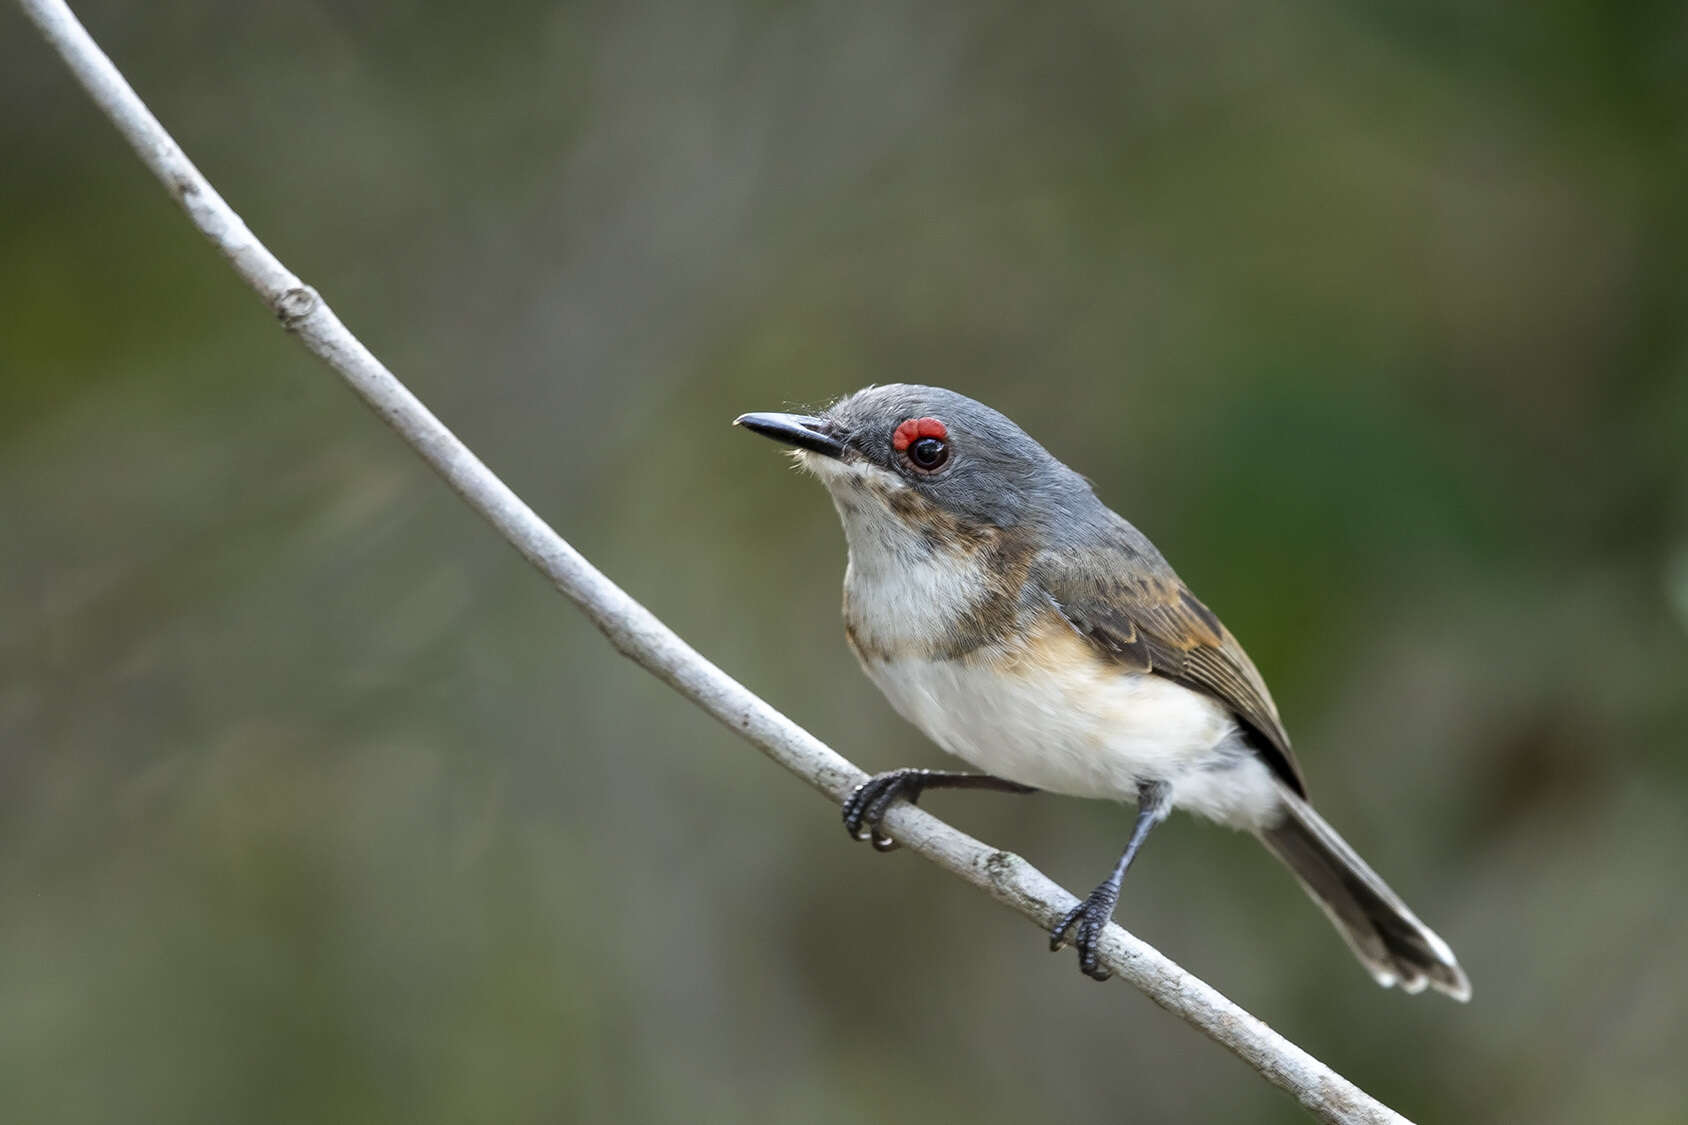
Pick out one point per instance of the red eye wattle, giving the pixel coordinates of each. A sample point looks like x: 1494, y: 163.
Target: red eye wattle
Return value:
x: 914, y: 429
x: 924, y: 442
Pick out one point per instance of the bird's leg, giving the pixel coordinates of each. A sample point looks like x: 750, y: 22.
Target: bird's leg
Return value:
x: 1091, y: 917
x: 866, y: 807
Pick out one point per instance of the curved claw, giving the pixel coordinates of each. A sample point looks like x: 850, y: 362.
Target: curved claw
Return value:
x: 1058, y: 932
x: 1091, y: 917
x: 867, y: 805
x: 855, y: 808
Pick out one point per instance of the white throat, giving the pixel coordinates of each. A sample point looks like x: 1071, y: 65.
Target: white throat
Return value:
x: 899, y: 590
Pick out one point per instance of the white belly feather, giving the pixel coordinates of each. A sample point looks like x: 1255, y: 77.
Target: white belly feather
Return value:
x: 1047, y: 713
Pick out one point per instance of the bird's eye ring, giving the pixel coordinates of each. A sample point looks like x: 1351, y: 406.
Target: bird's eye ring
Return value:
x: 924, y: 442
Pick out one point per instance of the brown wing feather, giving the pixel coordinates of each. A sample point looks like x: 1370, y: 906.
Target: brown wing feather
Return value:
x: 1141, y: 615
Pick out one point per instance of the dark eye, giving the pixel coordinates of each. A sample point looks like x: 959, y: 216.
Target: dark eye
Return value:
x: 924, y: 441
x: 928, y: 453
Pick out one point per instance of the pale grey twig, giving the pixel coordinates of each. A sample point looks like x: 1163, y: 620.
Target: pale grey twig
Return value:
x: 637, y: 633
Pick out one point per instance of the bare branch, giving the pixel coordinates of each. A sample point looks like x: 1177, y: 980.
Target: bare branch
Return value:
x: 637, y: 633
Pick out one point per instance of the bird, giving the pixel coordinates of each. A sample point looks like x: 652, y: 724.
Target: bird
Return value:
x: 1029, y: 630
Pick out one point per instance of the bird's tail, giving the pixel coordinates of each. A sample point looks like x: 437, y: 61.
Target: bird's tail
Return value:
x: 1387, y: 937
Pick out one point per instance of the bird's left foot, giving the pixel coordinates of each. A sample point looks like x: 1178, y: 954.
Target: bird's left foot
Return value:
x: 1086, y: 923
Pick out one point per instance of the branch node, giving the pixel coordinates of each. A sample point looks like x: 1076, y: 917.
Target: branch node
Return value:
x: 1003, y: 870
x: 294, y: 305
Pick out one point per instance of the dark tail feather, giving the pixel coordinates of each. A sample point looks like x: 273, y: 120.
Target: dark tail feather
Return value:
x: 1393, y: 944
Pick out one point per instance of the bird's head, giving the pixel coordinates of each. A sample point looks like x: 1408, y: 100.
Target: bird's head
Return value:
x: 918, y: 469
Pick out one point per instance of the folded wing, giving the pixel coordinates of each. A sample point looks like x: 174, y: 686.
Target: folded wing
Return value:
x: 1130, y: 604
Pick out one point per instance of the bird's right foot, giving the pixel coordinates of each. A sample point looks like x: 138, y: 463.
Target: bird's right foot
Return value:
x: 866, y: 807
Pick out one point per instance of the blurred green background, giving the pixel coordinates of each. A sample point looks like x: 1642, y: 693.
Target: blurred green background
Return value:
x: 319, y: 805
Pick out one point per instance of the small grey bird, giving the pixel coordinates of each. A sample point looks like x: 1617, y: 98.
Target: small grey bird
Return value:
x: 1029, y: 630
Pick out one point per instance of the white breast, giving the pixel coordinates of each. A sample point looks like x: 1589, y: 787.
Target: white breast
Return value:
x: 1047, y: 713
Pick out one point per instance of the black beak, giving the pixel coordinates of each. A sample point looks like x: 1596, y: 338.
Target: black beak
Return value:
x: 794, y: 429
